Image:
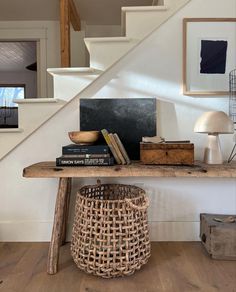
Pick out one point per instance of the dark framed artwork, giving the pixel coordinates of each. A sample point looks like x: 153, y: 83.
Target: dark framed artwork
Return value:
x: 130, y: 118
x: 209, y: 46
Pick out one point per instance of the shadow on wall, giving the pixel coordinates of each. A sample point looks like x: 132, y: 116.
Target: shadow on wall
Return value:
x: 133, y: 87
x: 177, y: 113
x: 174, y: 205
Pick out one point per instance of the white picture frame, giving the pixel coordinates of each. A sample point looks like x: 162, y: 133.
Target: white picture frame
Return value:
x: 195, y: 32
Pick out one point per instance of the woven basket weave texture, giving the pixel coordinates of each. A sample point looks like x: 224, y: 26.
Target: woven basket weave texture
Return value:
x: 110, y: 236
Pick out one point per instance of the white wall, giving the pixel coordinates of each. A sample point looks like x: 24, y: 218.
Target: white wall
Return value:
x: 29, y: 10
x: 78, y: 49
x: 102, y: 30
x: 153, y: 69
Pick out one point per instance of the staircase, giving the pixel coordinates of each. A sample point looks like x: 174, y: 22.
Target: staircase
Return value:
x: 137, y: 23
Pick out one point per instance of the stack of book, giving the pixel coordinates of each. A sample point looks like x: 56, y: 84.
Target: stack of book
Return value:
x: 85, y: 155
x: 95, y: 155
x: 116, y: 147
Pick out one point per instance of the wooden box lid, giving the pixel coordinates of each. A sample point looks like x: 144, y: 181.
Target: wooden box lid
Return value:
x: 209, y: 220
x: 166, y: 146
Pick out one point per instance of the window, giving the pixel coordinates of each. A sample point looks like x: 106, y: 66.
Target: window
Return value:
x: 9, y: 109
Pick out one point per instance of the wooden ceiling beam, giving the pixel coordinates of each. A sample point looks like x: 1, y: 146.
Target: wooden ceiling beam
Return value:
x: 65, y: 33
x: 74, y: 16
x: 68, y: 15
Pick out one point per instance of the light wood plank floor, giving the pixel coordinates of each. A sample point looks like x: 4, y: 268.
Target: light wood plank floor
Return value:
x: 176, y: 267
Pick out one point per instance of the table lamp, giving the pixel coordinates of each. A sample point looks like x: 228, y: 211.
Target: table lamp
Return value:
x: 214, y: 123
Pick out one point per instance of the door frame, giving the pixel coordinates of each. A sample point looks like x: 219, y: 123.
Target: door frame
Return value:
x: 18, y: 31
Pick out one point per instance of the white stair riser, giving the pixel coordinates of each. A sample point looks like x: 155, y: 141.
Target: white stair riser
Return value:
x: 30, y: 116
x: 104, y: 54
x: 140, y: 23
x: 67, y: 86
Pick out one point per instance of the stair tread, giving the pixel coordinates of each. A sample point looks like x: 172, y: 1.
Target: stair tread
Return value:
x: 37, y: 100
x: 110, y: 39
x: 11, y: 130
x: 74, y: 70
x: 145, y: 8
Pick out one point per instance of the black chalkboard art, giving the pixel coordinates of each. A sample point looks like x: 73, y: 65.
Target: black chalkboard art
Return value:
x: 213, y: 57
x: 130, y: 118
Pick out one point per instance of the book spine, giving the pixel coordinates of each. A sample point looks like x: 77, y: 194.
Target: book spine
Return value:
x: 86, y: 156
x: 117, y: 150
x: 108, y: 141
x: 60, y: 161
x: 122, y: 148
x: 85, y: 150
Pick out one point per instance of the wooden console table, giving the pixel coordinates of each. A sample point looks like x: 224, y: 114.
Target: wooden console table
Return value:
x: 136, y: 169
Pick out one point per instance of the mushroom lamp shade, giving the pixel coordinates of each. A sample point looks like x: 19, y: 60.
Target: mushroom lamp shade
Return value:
x: 214, y: 123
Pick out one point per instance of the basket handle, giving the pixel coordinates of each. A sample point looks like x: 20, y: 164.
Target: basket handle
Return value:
x: 139, y: 208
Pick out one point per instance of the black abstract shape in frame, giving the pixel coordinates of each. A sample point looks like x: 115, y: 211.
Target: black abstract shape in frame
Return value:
x: 213, y: 57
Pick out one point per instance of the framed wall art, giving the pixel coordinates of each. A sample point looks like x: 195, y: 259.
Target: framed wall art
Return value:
x: 130, y: 118
x: 209, y: 54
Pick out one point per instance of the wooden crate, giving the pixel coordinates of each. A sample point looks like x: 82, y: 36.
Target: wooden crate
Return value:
x: 167, y: 153
x: 218, y: 238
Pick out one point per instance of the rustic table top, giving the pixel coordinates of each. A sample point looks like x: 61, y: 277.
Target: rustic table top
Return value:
x: 48, y: 169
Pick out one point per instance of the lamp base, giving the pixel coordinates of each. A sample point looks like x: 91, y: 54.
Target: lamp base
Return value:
x: 213, y: 153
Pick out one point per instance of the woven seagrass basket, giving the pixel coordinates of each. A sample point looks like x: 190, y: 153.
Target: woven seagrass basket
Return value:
x: 110, y: 236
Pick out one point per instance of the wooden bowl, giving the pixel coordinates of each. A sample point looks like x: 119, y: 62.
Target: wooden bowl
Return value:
x: 84, y: 137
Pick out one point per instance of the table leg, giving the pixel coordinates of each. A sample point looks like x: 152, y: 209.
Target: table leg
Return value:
x: 66, y: 212
x: 53, y: 254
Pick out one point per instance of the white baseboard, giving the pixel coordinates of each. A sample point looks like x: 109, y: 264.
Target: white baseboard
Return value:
x: 26, y: 231
x: 174, y: 231
x: 35, y: 231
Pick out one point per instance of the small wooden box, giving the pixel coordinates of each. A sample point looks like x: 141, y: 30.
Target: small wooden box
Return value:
x: 167, y: 153
x: 218, y: 238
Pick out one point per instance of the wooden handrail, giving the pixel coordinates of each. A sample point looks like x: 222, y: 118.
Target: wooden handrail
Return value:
x: 68, y: 15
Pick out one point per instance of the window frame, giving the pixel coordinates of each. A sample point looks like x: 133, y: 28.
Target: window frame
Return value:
x: 15, y: 85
